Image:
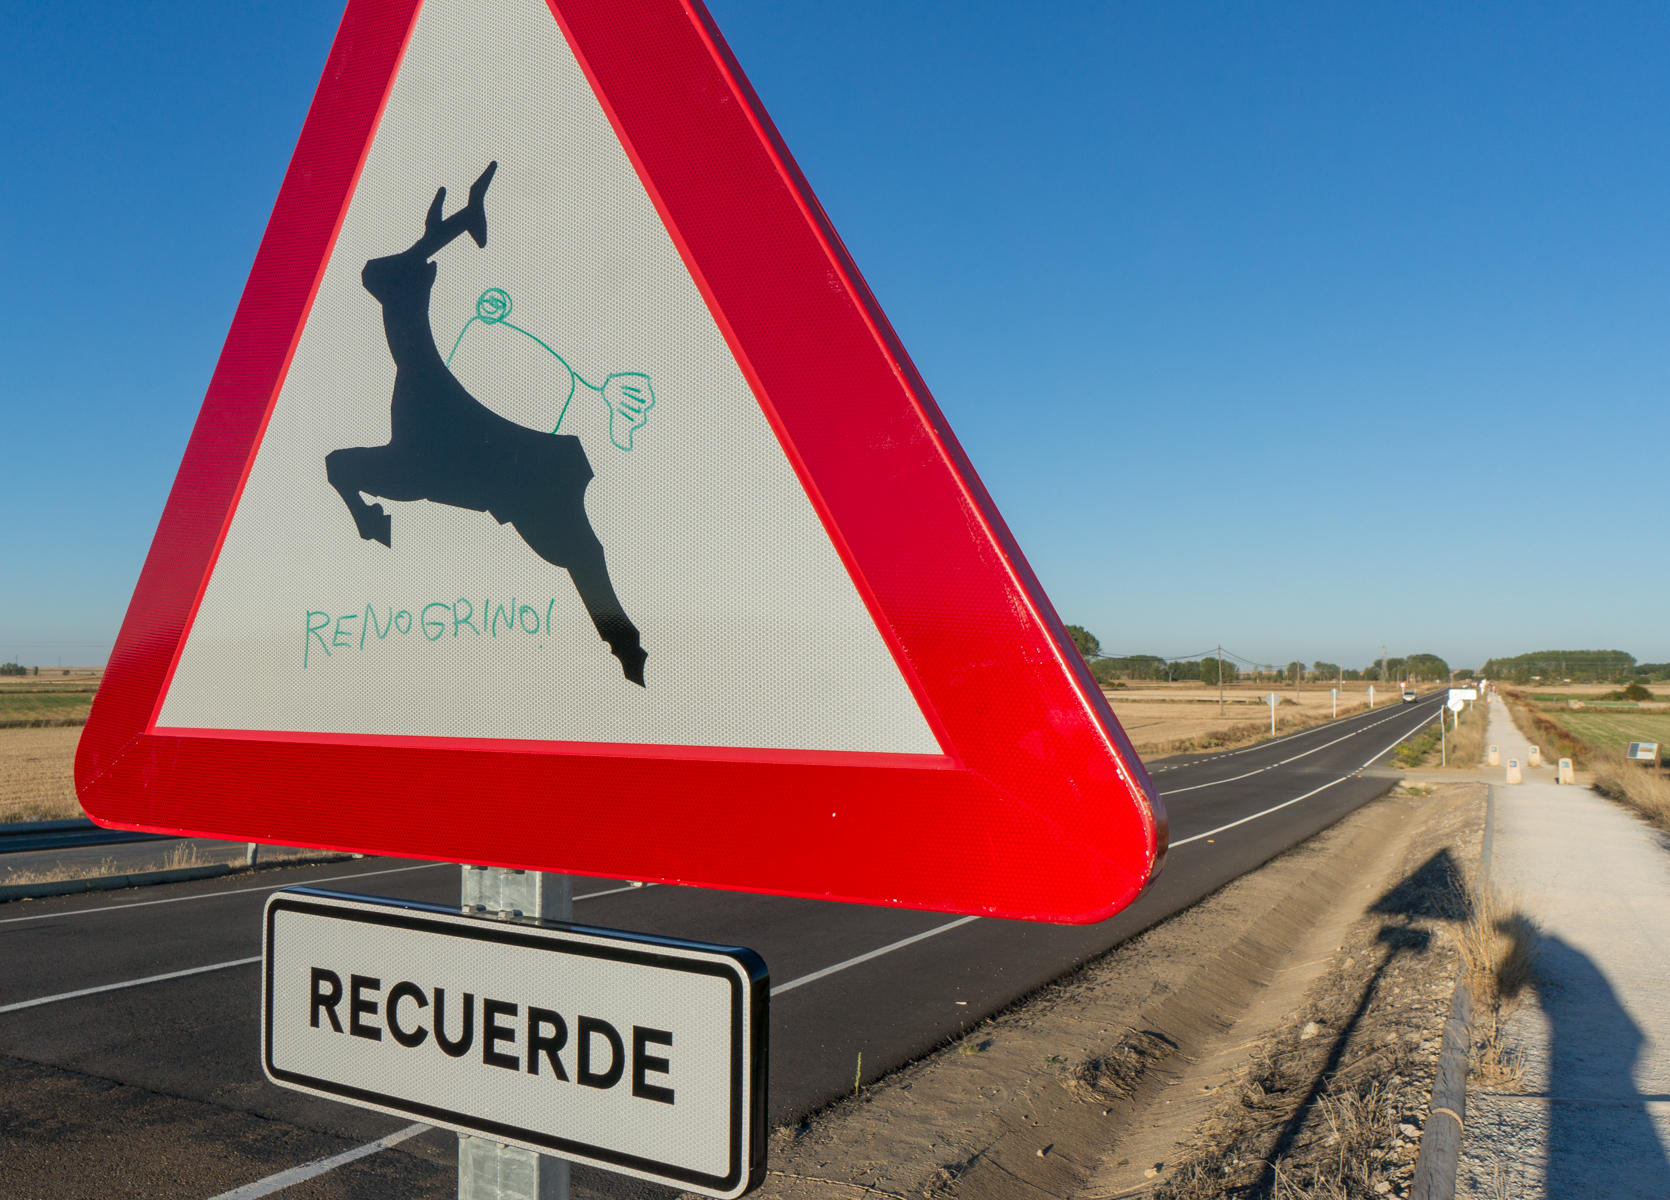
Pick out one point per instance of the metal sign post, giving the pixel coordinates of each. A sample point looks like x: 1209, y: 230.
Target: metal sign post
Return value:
x: 1333, y: 694
x: 487, y: 1169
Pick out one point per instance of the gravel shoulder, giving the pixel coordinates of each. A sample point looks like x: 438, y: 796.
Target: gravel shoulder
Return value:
x: 1202, y: 1058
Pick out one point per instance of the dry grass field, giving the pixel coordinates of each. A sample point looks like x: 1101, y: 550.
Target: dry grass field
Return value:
x: 1177, y: 718
x: 40, y: 723
x: 36, y: 774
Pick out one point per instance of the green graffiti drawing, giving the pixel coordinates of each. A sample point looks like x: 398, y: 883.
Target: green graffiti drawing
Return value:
x: 626, y: 394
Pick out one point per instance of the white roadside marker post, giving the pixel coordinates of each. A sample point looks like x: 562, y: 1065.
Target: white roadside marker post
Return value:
x: 489, y: 1170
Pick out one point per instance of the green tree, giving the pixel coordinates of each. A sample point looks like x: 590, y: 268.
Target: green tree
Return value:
x: 1086, y: 641
x: 1426, y: 667
x: 1209, y: 671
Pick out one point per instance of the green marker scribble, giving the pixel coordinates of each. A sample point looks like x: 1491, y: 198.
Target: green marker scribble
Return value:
x: 626, y: 394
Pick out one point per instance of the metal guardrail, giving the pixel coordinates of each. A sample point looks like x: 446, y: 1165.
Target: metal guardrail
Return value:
x: 58, y: 835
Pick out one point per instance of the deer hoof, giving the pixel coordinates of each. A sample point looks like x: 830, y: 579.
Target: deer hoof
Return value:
x: 374, y: 525
x: 632, y: 663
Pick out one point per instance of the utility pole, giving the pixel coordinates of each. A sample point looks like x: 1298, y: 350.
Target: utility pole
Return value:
x: 1220, y: 679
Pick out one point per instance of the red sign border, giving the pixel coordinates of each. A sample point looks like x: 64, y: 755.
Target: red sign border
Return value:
x: 1040, y: 809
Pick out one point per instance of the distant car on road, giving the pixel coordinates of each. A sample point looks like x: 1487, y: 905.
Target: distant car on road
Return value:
x: 1410, y: 697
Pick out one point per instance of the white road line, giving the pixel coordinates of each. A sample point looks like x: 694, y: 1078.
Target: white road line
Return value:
x: 853, y: 962
x: 1286, y: 737
x: 295, y: 1175
x: 1296, y: 799
x: 113, y: 987
x: 1256, y: 815
x: 1295, y: 758
x: 244, y: 962
x: 82, y: 912
x: 86, y: 912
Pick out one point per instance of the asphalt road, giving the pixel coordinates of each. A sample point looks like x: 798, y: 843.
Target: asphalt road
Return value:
x: 156, y: 1089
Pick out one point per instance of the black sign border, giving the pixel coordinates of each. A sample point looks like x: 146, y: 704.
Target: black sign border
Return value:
x: 418, y: 916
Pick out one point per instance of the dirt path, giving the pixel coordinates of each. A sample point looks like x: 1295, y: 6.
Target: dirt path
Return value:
x: 1591, y: 1116
x: 1192, y: 1035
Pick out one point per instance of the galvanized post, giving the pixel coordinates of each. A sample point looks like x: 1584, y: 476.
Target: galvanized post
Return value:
x: 489, y: 1170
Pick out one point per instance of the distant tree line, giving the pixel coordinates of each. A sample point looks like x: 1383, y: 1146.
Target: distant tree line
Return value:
x: 13, y: 669
x: 1420, y: 668
x: 1579, y: 666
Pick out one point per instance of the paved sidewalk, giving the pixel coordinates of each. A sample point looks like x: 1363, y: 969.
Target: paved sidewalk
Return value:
x: 1593, y: 1119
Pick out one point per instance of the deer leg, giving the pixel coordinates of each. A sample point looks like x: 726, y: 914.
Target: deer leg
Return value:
x: 591, y: 579
x: 575, y: 548
x: 352, y: 471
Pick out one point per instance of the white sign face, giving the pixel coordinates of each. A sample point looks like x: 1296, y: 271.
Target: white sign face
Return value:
x: 1642, y: 751
x: 1456, y: 704
x: 654, y: 574
x: 1464, y: 693
x: 1272, y: 700
x: 635, y: 1054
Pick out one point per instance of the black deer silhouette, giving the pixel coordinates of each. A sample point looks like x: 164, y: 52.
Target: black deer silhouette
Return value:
x: 447, y: 447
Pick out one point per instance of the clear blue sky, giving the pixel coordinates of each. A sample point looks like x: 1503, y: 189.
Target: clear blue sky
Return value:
x: 1302, y: 328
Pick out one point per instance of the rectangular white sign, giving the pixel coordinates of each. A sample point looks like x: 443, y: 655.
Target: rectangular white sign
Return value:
x: 632, y: 1053
x: 1464, y: 693
x: 1642, y: 751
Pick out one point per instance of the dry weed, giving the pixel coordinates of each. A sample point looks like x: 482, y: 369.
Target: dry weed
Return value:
x: 180, y: 856
x: 1630, y: 783
x: 1115, y: 1075
x: 1555, y: 741
x: 57, y: 873
x: 1499, y: 947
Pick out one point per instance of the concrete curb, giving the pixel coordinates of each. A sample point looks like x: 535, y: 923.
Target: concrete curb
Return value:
x: 108, y: 883
x: 1440, y: 1157
x: 111, y: 883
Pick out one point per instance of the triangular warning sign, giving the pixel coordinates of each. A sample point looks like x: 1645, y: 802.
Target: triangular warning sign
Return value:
x: 563, y: 500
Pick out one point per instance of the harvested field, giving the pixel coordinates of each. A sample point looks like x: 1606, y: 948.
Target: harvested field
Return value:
x: 57, y: 699
x: 1176, y: 718
x: 37, y: 774
x: 1615, y: 730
